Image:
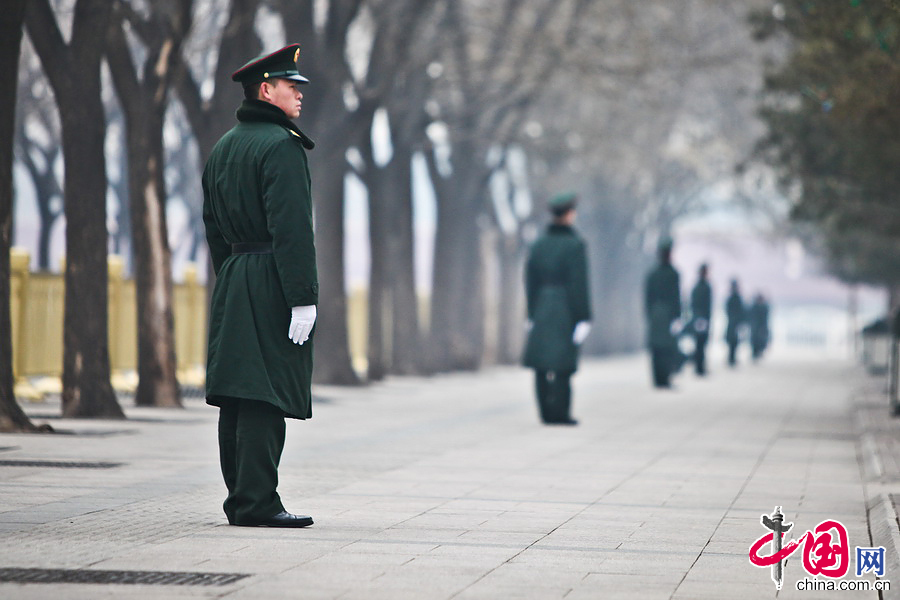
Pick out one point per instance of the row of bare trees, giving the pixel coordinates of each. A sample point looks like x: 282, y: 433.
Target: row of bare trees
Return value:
x: 504, y: 101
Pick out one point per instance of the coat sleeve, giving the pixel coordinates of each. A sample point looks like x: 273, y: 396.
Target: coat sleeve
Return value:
x: 219, y: 249
x: 530, y: 285
x: 288, y: 203
x: 578, y: 290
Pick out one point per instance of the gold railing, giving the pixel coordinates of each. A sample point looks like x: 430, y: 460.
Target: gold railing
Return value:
x: 37, y: 302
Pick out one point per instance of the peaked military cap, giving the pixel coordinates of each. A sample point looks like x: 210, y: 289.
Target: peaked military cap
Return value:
x: 562, y: 203
x: 281, y: 63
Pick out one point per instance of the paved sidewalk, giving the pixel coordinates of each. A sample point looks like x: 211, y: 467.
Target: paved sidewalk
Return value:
x: 447, y: 487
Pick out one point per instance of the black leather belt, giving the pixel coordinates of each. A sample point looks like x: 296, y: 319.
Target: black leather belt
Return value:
x: 251, y: 248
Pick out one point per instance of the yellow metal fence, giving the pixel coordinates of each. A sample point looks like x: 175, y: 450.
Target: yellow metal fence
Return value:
x: 37, y: 302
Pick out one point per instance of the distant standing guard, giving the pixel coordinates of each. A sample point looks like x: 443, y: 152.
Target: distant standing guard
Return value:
x: 759, y: 326
x: 737, y: 315
x: 701, y: 313
x: 662, y: 304
x: 559, y: 310
x: 257, y: 209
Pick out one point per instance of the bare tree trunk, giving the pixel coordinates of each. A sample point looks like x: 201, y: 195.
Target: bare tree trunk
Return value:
x: 406, y: 344
x: 333, y: 363
x: 86, y: 387
x: 74, y: 73
x: 12, y: 418
x: 394, y: 340
x: 47, y: 187
x: 379, y: 271
x: 457, y: 308
x: 144, y: 104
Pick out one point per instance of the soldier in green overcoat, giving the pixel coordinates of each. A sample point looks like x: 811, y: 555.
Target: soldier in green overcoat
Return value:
x: 257, y: 209
x: 737, y: 316
x: 758, y: 319
x: 701, y: 313
x: 662, y: 305
x: 559, y: 310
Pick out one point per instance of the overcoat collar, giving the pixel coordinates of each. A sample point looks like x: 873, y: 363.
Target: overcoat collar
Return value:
x: 261, y: 111
x: 557, y: 228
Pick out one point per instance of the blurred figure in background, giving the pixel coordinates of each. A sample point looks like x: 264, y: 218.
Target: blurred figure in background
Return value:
x: 662, y: 304
x: 559, y: 310
x: 759, y: 326
x: 701, y: 312
x: 737, y: 314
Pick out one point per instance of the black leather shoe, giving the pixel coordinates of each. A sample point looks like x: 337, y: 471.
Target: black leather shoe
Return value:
x: 286, y: 519
x: 567, y: 421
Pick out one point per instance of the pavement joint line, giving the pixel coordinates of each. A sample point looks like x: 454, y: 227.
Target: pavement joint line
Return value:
x: 776, y: 435
x: 647, y: 464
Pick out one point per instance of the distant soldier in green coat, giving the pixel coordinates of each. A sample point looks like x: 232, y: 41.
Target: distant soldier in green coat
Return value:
x: 758, y: 318
x: 662, y: 305
x: 701, y: 313
x: 257, y: 209
x: 737, y: 315
x: 559, y: 310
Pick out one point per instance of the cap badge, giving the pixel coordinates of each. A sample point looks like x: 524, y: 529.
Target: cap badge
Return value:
x: 296, y: 54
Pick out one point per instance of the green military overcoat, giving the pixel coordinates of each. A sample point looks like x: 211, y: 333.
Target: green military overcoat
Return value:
x: 758, y: 320
x: 556, y: 286
x: 256, y: 188
x: 701, y: 306
x: 736, y: 313
x: 662, y: 304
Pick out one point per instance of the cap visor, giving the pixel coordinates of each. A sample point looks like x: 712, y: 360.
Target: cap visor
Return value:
x: 298, y: 78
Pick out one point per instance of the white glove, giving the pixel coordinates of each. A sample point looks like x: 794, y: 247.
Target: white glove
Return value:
x: 528, y: 325
x: 582, y: 329
x: 302, y: 320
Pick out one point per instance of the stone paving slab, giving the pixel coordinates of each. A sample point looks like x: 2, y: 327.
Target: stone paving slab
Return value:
x: 448, y: 487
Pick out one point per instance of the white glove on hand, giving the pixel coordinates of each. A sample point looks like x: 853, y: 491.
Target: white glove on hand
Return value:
x: 302, y: 320
x: 582, y: 329
x: 528, y: 325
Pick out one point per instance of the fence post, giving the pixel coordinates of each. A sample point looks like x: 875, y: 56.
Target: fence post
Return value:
x: 193, y: 374
x: 115, y: 267
x: 19, y: 262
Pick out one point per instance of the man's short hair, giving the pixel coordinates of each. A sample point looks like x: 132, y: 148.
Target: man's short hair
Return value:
x: 251, y: 91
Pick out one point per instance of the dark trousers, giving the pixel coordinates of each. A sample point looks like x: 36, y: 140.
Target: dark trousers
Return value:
x: 732, y: 353
x: 758, y: 349
x: 251, y: 438
x: 662, y: 362
x: 554, y: 395
x: 700, y: 340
